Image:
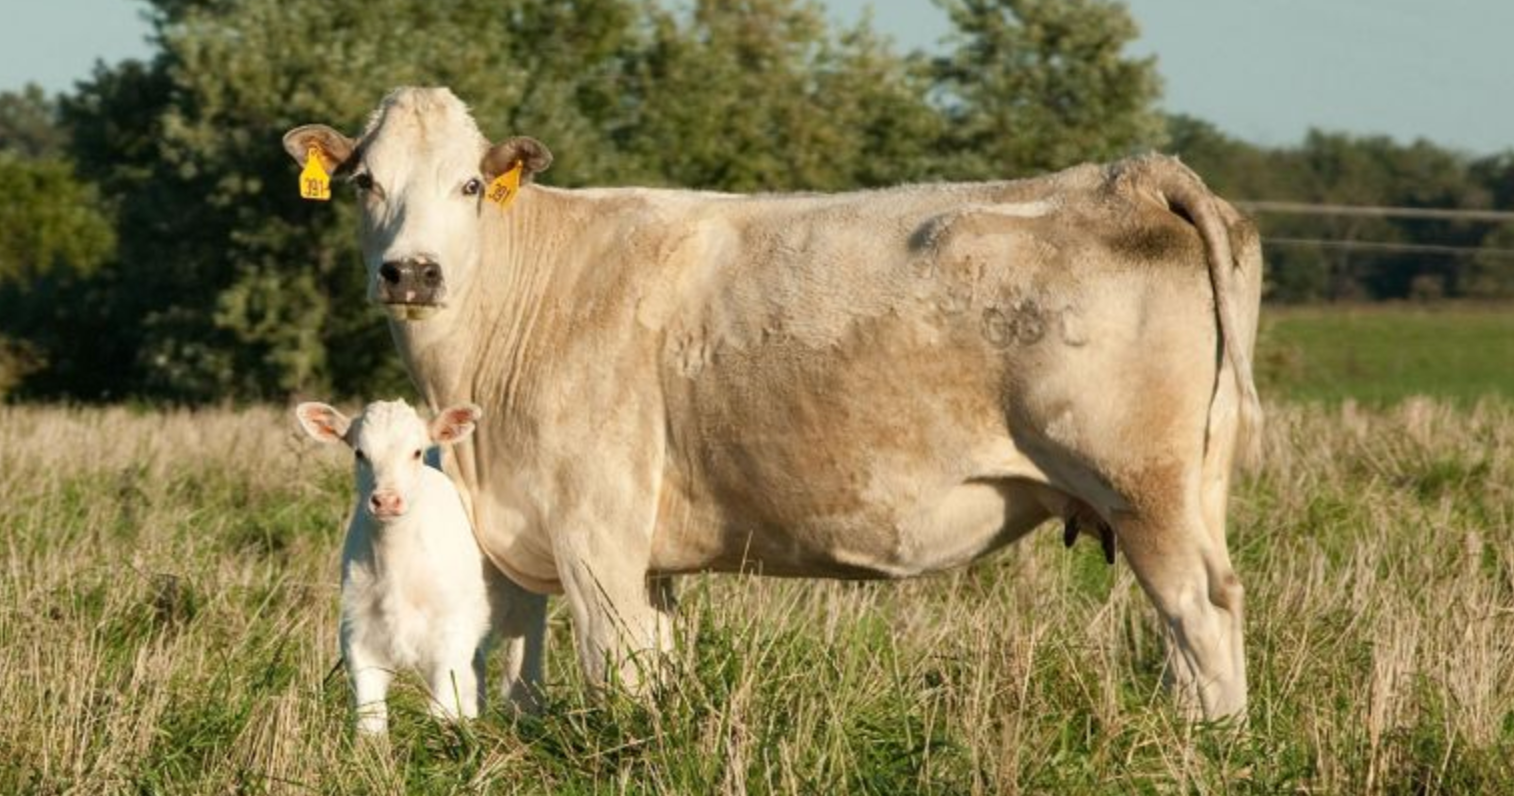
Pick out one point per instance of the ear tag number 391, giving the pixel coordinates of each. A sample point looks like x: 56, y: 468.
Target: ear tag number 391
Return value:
x: 315, y: 183
x: 503, y: 190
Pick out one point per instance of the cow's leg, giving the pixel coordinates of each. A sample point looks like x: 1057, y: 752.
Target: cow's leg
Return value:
x: 1216, y: 499
x: 664, y: 599
x: 1187, y: 574
x: 614, y: 620
x: 521, y: 626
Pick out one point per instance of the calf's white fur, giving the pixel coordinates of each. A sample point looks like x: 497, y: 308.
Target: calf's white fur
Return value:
x: 416, y: 590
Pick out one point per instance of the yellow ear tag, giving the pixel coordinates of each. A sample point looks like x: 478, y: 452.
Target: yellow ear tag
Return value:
x: 503, y: 190
x: 315, y: 183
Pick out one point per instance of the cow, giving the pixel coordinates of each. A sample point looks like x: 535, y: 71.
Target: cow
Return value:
x: 876, y: 384
x: 416, y: 591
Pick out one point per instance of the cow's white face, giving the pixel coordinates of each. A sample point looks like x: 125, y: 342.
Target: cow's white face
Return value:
x: 420, y: 171
x: 388, y: 441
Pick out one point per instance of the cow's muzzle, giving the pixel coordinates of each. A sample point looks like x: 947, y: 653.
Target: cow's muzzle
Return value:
x: 411, y: 288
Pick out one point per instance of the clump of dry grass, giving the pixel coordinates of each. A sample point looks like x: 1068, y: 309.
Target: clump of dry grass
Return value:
x: 168, y: 606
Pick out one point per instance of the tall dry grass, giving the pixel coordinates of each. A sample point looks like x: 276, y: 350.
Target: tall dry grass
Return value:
x: 168, y: 607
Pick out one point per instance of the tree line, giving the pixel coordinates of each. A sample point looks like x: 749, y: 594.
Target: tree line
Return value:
x: 153, y: 245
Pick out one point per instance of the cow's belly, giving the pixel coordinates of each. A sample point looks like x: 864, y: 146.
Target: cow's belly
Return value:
x: 886, y: 455
x: 889, y: 540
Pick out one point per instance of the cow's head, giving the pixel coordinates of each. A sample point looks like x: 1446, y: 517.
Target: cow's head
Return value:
x: 389, y: 441
x: 420, y: 170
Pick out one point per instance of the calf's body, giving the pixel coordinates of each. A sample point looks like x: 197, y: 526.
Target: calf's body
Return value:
x: 417, y: 593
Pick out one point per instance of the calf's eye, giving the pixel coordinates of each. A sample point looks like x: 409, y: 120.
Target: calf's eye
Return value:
x: 362, y: 457
x: 417, y: 455
x: 472, y: 187
x: 364, y: 181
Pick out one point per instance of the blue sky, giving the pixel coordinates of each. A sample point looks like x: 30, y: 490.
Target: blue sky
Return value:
x: 1263, y: 70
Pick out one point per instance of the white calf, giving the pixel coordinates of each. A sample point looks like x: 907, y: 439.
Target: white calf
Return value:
x: 416, y: 590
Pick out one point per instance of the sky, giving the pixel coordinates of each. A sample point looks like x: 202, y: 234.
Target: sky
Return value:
x: 1265, y: 71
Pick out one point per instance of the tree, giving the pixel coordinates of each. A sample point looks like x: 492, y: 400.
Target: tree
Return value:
x: 28, y: 124
x: 54, y: 230
x: 1039, y: 85
x: 49, y: 223
x: 1490, y: 275
x: 759, y: 95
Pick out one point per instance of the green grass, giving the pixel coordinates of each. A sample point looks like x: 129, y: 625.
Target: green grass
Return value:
x: 1382, y: 354
x: 168, y: 613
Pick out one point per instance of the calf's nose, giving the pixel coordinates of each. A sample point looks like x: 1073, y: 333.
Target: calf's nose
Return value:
x: 386, y: 504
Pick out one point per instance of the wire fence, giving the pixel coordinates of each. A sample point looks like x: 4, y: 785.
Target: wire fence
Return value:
x: 1373, y: 211
x: 1260, y: 207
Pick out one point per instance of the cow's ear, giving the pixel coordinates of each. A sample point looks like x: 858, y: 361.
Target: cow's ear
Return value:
x: 454, y: 423
x: 333, y: 147
x: 532, y: 154
x: 323, y: 423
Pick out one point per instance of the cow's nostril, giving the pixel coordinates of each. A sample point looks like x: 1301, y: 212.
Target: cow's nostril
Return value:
x: 431, y: 274
x: 390, y: 272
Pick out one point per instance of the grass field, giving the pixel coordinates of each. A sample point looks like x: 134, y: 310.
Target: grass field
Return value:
x: 168, y: 623
x: 1381, y: 354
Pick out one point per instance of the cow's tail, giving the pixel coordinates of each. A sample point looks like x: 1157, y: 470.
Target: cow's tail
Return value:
x: 1186, y: 193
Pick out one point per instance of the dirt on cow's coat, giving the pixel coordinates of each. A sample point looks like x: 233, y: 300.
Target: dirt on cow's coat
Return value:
x: 168, y: 610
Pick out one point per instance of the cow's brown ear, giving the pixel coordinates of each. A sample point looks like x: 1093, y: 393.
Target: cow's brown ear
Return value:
x: 532, y: 154
x: 333, y: 147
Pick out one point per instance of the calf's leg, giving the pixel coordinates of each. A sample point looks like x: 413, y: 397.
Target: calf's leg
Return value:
x: 370, y: 679
x: 456, y: 683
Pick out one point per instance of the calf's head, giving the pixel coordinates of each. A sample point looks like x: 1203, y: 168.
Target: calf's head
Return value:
x: 389, y: 441
x: 421, y: 169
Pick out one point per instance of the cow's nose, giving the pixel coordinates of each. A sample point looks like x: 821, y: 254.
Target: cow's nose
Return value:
x: 412, y: 281
x: 392, y: 272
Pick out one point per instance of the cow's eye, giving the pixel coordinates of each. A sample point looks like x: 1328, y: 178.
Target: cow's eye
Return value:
x: 363, y: 181
x: 472, y: 187
x: 417, y: 455
x: 362, y: 457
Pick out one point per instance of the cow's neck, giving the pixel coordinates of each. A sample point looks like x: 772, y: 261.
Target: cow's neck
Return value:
x: 472, y: 351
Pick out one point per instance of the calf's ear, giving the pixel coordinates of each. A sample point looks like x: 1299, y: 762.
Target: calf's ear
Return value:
x: 333, y: 148
x: 531, y: 154
x: 323, y: 423
x: 455, y: 423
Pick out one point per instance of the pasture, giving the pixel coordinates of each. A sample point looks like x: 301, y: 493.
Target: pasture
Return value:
x: 1380, y: 354
x: 168, y: 623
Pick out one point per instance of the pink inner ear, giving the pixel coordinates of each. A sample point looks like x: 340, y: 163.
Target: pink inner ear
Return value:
x: 323, y: 423
x: 451, y: 424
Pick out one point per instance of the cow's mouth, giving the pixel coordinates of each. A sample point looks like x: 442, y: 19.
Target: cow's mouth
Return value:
x: 400, y: 311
